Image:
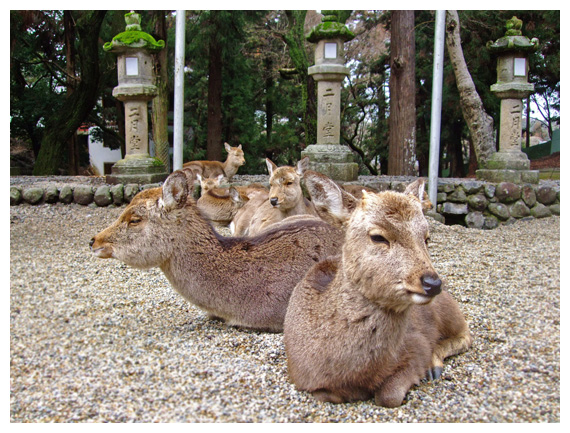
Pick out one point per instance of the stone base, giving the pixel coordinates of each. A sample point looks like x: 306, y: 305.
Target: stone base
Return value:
x: 514, y: 176
x: 508, y: 161
x: 137, y: 169
x: 333, y: 160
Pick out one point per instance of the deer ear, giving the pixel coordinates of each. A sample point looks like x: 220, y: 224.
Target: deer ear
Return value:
x: 271, y: 167
x: 303, y: 166
x: 417, y: 189
x: 328, y: 197
x: 227, y: 146
x: 175, y: 191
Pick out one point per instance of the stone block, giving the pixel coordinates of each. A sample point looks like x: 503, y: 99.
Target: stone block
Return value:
x: 475, y: 220
x: 540, y: 211
x: 454, y: 208
x: 491, y: 222
x: 51, y: 194
x: 457, y: 196
x: 519, y: 209
x: 500, y: 210
x: 83, y: 194
x: 15, y: 196
x: 130, y: 191
x: 472, y: 186
x: 102, y: 196
x: 117, y: 193
x: 66, y: 194
x: 546, y: 195
x: 555, y: 208
x: 508, y: 192
x: 528, y: 195
x: 490, y: 190
x: 33, y: 195
x: 477, y: 202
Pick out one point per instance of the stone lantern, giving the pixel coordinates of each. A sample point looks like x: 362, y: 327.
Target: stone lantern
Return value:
x: 136, y: 88
x: 510, y: 164
x: 328, y: 156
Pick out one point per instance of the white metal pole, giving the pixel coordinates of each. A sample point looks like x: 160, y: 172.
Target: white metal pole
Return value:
x: 179, y: 89
x: 435, y: 128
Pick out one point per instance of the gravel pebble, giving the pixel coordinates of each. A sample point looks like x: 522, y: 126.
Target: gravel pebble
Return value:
x: 93, y: 340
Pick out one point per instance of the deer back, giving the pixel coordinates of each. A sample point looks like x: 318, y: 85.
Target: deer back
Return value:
x: 244, y: 281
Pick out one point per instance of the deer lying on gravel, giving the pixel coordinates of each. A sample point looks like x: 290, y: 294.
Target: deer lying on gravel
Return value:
x: 212, y: 169
x: 245, y: 281
x: 220, y: 205
x: 208, y: 183
x: 374, y: 320
x: 285, y: 199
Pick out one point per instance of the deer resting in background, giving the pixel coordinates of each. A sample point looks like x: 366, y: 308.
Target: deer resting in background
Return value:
x: 212, y: 169
x: 220, y: 205
x: 285, y: 199
x: 373, y: 321
x: 246, y: 282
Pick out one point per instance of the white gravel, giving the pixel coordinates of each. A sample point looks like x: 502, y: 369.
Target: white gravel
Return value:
x: 93, y: 340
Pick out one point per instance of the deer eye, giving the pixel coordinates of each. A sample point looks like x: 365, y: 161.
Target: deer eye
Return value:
x: 379, y: 239
x: 134, y: 221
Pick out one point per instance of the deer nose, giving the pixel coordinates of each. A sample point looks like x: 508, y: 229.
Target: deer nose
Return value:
x: 431, y: 285
x: 273, y: 201
x: 91, y: 242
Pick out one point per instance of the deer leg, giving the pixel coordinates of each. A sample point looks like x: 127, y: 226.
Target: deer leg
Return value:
x: 445, y: 348
x: 393, y: 390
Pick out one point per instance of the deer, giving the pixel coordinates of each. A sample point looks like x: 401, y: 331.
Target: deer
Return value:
x: 208, y: 183
x: 374, y: 320
x: 285, y: 199
x: 245, y: 282
x: 228, y: 168
x: 221, y: 205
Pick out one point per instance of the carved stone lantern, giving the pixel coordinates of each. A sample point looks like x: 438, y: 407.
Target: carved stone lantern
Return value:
x: 510, y: 163
x: 136, y: 88
x: 328, y: 156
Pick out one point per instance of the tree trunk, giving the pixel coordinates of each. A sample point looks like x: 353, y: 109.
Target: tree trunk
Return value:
x: 160, y: 102
x: 62, y: 125
x: 214, y: 139
x: 69, y: 35
x: 479, y: 122
x: 402, y: 141
x: 295, y: 40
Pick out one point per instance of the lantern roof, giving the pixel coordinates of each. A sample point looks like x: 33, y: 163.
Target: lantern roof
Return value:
x: 513, y: 39
x: 133, y: 37
x: 330, y: 28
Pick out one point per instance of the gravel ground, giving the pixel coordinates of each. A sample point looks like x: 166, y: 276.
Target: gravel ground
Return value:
x: 93, y: 340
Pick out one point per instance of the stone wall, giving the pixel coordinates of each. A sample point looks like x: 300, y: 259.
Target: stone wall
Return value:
x: 472, y: 203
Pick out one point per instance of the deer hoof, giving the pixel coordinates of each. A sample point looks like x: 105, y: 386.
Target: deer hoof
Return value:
x: 434, y: 373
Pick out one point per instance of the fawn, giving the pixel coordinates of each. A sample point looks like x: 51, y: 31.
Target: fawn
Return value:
x: 285, y: 199
x: 228, y: 168
x: 246, y: 282
x: 374, y: 320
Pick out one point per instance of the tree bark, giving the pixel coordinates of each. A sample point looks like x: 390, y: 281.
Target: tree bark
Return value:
x: 214, y: 138
x: 402, y: 138
x: 480, y: 124
x: 62, y: 125
x: 295, y: 40
x: 159, y: 104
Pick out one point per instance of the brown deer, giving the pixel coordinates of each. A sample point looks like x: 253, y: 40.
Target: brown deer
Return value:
x: 208, y: 183
x: 246, y: 282
x: 228, y: 168
x: 220, y: 205
x: 285, y: 198
x: 373, y: 321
